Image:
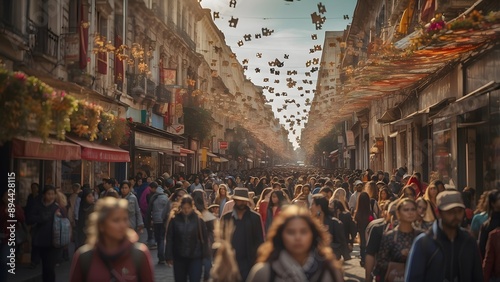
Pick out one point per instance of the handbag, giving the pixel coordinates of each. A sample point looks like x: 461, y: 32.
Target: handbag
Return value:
x: 395, y: 272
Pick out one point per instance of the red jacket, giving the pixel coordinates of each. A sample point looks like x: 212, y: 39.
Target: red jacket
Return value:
x: 121, y: 261
x: 491, y: 263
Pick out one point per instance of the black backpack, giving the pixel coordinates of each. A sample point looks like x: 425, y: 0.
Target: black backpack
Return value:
x: 85, y: 260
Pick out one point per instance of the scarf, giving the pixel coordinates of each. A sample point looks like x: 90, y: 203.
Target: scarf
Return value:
x: 288, y: 269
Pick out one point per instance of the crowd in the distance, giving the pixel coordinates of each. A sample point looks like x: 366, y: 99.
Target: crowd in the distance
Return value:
x: 285, y: 224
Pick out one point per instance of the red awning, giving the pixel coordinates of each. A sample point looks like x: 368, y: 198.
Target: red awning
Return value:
x: 52, y: 149
x: 93, y: 151
x: 186, y: 151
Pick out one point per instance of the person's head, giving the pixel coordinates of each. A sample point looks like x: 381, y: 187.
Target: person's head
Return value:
x: 276, y: 186
x: 223, y: 190
x: 49, y: 194
x: 384, y: 194
x: 186, y: 206
x: 35, y: 188
x: 358, y: 185
x: 199, y: 200
x: 109, y: 221
x: 277, y: 198
x: 440, y: 186
x: 469, y: 195
x: 153, y: 186
x: 482, y: 204
x: 89, y: 198
x: 297, y: 190
x: 139, y: 181
x: 408, y: 192
x: 494, y: 201
x: 371, y: 189
x: 132, y: 181
x: 76, y: 187
x: 241, y: 199
x: 125, y: 188
x: 451, y: 209
x: 214, y: 209
x: 306, y: 189
x: 421, y: 207
x: 177, y: 195
x: 149, y: 179
x: 340, y: 194
x: 338, y: 206
x: 406, y: 210
x: 319, y: 206
x: 197, y: 180
x: 431, y: 192
x: 327, y: 192
x: 108, y: 183
x: 295, y: 231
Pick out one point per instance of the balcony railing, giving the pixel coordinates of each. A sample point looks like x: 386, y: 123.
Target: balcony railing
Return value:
x: 151, y: 88
x: 163, y: 94
x: 136, y: 84
x: 46, y: 41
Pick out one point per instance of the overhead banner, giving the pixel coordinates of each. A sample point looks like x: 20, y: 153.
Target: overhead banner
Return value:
x: 350, y: 138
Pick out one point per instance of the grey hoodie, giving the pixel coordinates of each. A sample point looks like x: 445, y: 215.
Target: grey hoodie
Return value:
x: 160, y: 206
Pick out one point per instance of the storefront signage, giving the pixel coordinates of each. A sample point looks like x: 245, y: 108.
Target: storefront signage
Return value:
x: 177, y: 129
x: 223, y: 145
x: 177, y: 148
x: 349, y: 134
x: 152, y: 142
x: 71, y: 47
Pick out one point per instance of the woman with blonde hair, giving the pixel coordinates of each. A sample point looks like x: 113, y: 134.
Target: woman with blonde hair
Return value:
x: 297, y: 249
x: 222, y: 198
x: 297, y: 190
x: 341, y: 195
x: 430, y: 197
x: 112, y: 252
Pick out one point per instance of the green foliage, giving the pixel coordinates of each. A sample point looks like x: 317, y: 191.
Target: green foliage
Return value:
x: 198, y: 123
x: 329, y: 142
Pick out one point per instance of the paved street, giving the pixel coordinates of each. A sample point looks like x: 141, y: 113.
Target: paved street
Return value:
x: 352, y: 269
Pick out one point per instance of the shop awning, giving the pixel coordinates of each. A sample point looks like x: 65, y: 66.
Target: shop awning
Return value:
x: 180, y: 164
x: 186, y: 151
x: 212, y: 155
x: 52, y: 149
x: 220, y: 160
x: 469, y: 102
x: 249, y: 160
x: 430, y: 111
x: 334, y: 154
x: 390, y: 115
x: 93, y: 151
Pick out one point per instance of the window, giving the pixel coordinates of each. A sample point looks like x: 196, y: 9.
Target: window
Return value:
x: 74, y: 17
x: 10, y: 15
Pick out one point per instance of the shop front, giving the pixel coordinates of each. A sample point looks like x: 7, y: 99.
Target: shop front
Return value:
x: 36, y: 161
x: 98, y: 161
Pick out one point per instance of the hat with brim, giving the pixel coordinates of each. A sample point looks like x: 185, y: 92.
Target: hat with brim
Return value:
x: 448, y: 200
x: 213, y: 206
x: 358, y: 182
x: 241, y: 194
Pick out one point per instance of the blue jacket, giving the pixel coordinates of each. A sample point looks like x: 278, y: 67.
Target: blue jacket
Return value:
x: 428, y: 259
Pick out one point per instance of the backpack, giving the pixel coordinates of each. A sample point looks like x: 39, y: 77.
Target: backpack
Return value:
x: 61, y: 232
x: 85, y: 260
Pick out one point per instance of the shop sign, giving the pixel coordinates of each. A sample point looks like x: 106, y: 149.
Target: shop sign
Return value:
x: 349, y: 134
x: 71, y: 48
x: 151, y: 141
x: 177, y: 129
x: 223, y: 145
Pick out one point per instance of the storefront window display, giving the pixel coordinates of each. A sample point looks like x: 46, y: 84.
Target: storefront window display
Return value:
x: 71, y: 173
x: 442, y: 152
x: 147, y: 163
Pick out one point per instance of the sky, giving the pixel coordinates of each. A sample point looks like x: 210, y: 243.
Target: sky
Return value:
x: 293, y: 36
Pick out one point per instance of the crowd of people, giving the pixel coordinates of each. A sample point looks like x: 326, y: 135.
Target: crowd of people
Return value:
x: 284, y: 224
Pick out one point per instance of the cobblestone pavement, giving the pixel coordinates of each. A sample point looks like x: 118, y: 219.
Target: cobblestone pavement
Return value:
x: 352, y: 270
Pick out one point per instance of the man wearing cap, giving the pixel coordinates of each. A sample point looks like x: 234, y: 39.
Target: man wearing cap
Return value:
x: 446, y: 252
x: 248, y: 234
x: 353, y: 200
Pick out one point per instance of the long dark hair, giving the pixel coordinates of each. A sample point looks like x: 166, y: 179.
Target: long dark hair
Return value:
x: 338, y: 206
x: 362, y: 208
x: 281, y: 199
x: 322, y: 202
x: 198, y: 198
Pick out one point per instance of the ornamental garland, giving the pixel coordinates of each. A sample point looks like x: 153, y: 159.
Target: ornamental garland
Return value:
x: 31, y: 107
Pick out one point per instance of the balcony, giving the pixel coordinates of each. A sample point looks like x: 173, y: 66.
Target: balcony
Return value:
x: 136, y: 85
x: 187, y: 39
x: 151, y: 89
x: 46, y: 42
x: 163, y: 94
